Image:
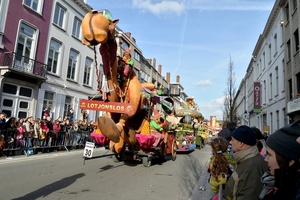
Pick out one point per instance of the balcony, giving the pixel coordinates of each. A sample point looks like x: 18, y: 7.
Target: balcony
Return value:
x: 16, y: 66
x: 293, y: 105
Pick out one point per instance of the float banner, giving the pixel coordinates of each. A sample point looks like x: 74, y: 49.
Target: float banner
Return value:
x: 257, y: 96
x: 115, y: 107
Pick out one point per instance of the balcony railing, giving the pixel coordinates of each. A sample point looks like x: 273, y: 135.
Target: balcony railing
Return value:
x: 25, y: 64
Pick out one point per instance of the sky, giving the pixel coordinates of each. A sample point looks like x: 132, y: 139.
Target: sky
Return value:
x: 195, y: 39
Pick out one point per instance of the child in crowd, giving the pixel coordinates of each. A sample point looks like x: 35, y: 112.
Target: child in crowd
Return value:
x: 19, y: 135
x: 221, y: 164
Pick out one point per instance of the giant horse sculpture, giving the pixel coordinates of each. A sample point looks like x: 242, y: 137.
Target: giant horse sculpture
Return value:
x: 119, y: 128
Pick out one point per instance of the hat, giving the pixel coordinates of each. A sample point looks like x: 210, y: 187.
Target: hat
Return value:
x: 127, y: 51
x: 245, y: 134
x: 156, y: 114
x: 283, y: 141
x: 231, y: 126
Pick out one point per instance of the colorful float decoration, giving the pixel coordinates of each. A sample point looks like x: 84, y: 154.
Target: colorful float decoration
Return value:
x: 128, y: 104
x: 186, y: 132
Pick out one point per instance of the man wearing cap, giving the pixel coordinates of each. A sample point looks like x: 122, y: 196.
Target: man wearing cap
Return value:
x: 245, y: 182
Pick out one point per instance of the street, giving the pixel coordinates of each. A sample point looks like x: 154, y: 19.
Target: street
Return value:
x: 63, y: 175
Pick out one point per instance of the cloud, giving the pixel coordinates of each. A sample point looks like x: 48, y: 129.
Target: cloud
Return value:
x: 161, y: 8
x: 203, y: 82
x: 170, y: 7
x: 214, y: 108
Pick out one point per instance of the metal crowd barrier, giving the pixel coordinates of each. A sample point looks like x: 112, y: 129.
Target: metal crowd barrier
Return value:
x: 53, y: 141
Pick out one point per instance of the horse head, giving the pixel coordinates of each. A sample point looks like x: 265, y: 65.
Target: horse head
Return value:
x: 97, y: 28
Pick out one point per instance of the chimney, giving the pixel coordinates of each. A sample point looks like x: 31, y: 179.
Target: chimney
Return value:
x: 150, y: 61
x: 168, y: 75
x: 128, y: 34
x: 154, y: 63
x: 159, y: 69
x: 133, y: 40
x: 177, y: 79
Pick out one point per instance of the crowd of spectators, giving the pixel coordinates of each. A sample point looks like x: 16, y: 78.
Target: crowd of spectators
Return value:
x: 258, y: 174
x: 43, y: 132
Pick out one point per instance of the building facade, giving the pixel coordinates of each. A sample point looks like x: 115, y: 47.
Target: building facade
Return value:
x: 24, y: 33
x: 270, y: 89
x: 291, y: 23
x: 44, y: 64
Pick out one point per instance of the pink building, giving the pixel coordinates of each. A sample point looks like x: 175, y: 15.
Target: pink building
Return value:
x: 24, y: 29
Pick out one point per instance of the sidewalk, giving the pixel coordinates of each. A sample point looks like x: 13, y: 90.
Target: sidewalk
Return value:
x: 202, y: 190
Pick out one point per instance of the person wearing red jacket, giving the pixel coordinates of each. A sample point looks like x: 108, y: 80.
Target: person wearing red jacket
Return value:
x: 42, y: 136
x: 56, y: 129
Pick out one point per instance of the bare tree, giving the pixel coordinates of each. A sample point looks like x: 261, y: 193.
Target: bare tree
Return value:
x: 230, y: 92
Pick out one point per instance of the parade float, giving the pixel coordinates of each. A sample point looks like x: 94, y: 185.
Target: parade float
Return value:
x: 127, y: 103
x: 202, y: 135
x: 189, y: 123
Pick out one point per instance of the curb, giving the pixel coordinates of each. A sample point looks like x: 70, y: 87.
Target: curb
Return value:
x: 202, y: 189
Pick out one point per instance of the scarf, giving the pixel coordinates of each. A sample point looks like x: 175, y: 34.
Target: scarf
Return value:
x: 269, y: 183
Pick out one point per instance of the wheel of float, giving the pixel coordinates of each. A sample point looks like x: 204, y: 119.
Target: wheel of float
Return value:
x: 147, y: 161
x: 116, y: 158
x: 174, y: 149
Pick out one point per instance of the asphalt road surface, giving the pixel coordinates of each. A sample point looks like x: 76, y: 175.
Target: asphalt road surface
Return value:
x: 63, y: 175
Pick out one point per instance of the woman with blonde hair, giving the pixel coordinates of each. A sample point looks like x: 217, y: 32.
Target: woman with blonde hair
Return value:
x: 37, y: 132
x: 221, y: 164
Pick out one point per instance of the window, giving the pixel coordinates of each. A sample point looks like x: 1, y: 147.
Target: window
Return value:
x: 290, y: 89
x: 298, y: 82
x: 283, y: 75
x: 124, y: 45
x: 270, y: 52
x: 137, y: 56
x: 3, y: 14
x: 271, y: 87
x: 271, y: 125
x: 265, y: 92
x: 275, y: 43
x: 277, y: 81
x: 101, y: 75
x: 16, y: 100
x: 260, y: 66
x: 136, y: 72
x: 287, y: 12
x: 59, y: 15
x: 296, y: 37
x: 277, y: 120
x: 53, y: 56
x: 25, y: 44
x: 35, y: 5
x: 10, y: 89
x: 87, y: 71
x: 76, y: 28
x: 48, y: 100
x: 264, y: 60
x: 72, y: 65
x: 294, y: 4
x: 288, y: 44
x: 67, y: 106
x: 25, y: 92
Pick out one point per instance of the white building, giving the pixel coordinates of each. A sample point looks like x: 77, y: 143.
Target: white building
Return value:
x: 265, y: 106
x: 71, y: 73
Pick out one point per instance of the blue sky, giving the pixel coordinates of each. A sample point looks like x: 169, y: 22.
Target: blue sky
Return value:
x: 195, y: 40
